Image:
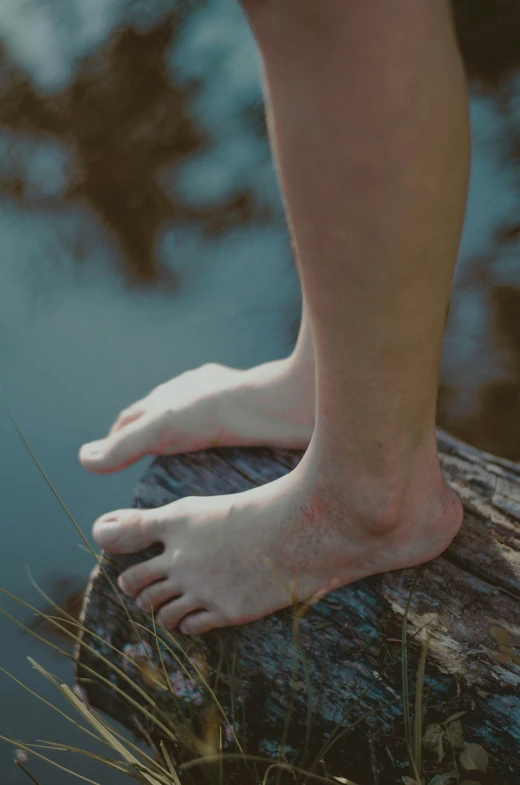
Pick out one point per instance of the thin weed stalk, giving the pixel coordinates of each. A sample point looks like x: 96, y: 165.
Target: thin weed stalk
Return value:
x: 134, y: 762
x: 26, y: 772
x: 418, y: 717
x: 98, y: 559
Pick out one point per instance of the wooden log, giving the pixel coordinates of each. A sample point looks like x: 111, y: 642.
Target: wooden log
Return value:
x: 335, y: 669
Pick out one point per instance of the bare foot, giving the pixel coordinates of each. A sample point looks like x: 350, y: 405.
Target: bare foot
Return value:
x: 233, y: 559
x: 214, y: 405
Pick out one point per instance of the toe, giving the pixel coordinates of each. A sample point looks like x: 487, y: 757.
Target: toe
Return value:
x: 170, y: 615
x: 126, y: 417
x: 157, y: 594
x: 197, y: 623
x: 138, y: 577
x: 122, y: 447
x: 128, y: 531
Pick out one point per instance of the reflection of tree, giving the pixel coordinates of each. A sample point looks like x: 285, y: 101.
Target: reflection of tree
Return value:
x: 488, y: 32
x: 125, y: 118
x: 67, y: 593
x: 489, y: 37
x: 496, y: 426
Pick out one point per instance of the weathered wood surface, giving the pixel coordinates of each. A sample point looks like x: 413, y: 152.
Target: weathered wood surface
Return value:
x: 350, y: 640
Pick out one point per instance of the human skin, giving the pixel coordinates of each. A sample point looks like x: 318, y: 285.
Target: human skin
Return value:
x: 369, y: 124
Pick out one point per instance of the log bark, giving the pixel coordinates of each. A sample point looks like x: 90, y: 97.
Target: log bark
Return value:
x: 334, y: 667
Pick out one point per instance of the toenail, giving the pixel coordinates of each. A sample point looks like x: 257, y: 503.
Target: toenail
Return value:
x: 108, y: 530
x: 123, y: 585
x: 93, y: 448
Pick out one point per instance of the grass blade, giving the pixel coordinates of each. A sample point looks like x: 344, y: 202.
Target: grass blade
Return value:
x: 99, y: 560
x: 110, y: 762
x: 48, y: 703
x: 406, y: 687
x: 117, y: 670
x: 261, y: 759
x: 418, y: 718
x: 90, y: 716
x: 27, y: 772
x: 169, y: 763
x: 338, y: 731
x: 201, y: 677
x: 24, y: 747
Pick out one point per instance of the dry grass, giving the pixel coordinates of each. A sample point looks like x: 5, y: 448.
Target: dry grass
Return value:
x: 204, y: 752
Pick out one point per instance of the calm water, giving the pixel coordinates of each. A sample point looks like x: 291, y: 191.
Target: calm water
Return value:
x: 141, y: 234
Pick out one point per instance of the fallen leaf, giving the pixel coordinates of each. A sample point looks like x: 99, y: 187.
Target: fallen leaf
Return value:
x: 455, y: 735
x: 501, y: 657
x: 456, y: 716
x: 474, y: 758
x: 501, y: 636
x: 432, y: 741
x: 409, y: 781
x: 151, y: 675
x: 443, y: 779
x: 209, y: 744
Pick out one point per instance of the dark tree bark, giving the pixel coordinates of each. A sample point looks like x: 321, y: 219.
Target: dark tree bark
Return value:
x: 341, y: 659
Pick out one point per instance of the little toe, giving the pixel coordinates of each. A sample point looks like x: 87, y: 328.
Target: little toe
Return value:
x: 170, y: 615
x: 197, y: 623
x: 128, y: 531
x: 157, y: 594
x: 138, y: 577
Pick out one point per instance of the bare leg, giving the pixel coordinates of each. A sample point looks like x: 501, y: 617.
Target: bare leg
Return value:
x: 370, y: 120
x: 373, y: 149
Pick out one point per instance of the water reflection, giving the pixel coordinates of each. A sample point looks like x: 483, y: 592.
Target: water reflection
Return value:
x: 480, y: 372
x: 133, y: 151
x: 66, y: 601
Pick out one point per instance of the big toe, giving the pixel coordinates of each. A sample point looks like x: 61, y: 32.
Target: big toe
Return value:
x: 128, y: 531
x: 116, y: 451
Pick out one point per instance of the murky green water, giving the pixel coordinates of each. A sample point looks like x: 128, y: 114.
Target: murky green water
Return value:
x: 140, y: 235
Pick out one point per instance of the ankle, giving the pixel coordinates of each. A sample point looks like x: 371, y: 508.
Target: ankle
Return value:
x: 406, y: 495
